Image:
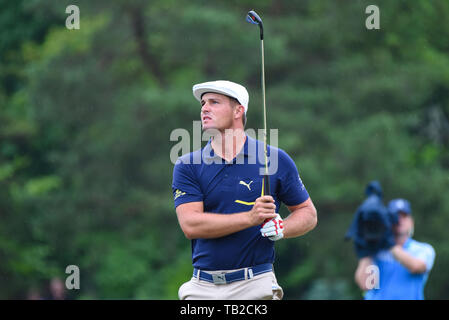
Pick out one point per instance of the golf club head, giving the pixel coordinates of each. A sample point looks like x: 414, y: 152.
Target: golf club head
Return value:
x: 253, y: 18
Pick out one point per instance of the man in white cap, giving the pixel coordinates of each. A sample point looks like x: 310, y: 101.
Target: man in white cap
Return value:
x: 221, y: 206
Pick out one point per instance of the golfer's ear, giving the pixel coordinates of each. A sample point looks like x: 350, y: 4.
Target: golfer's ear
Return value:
x: 240, y: 110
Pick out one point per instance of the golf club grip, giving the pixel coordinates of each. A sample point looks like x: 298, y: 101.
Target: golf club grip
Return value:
x: 266, y: 185
x: 266, y: 188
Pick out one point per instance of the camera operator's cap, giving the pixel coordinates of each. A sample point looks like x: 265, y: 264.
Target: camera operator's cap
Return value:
x: 225, y: 87
x: 399, y: 205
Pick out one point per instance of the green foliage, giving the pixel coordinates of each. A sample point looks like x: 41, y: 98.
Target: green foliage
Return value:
x: 86, y: 117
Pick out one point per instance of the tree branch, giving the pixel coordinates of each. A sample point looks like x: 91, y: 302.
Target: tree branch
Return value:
x: 149, y: 60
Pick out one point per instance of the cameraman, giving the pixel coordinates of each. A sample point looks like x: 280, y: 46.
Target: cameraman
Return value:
x: 403, y: 269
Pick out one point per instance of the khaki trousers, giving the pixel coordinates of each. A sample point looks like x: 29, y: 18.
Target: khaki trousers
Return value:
x: 261, y: 287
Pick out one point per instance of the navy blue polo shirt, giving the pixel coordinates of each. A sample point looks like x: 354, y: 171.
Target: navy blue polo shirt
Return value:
x: 232, y: 187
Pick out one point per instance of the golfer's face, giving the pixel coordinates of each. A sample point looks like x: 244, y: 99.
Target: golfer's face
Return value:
x: 216, y: 111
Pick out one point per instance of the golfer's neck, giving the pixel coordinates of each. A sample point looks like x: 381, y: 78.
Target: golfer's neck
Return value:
x: 229, y: 143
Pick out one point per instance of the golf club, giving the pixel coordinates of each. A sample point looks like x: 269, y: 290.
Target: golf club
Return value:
x: 254, y: 18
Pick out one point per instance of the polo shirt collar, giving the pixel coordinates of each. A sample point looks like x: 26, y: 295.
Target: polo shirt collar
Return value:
x: 250, y: 145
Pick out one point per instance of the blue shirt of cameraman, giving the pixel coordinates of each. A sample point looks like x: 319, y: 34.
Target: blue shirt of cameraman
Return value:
x: 395, y: 281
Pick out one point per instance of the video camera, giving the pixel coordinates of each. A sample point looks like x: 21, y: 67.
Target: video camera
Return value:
x: 372, y: 225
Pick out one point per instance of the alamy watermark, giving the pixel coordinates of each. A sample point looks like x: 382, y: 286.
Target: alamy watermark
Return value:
x: 73, y: 280
x: 255, y: 150
x: 373, y: 279
x: 372, y: 22
x: 73, y: 20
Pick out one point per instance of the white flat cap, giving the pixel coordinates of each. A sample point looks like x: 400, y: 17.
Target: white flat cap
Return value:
x: 225, y: 87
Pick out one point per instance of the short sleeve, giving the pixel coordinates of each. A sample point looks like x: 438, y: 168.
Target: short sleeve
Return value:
x: 185, y: 185
x: 425, y: 253
x: 292, y: 191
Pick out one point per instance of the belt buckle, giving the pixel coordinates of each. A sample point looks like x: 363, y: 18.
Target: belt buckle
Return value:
x: 219, y: 278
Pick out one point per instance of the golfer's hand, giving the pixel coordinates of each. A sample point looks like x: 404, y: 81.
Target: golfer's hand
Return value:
x: 263, y: 209
x: 273, y: 229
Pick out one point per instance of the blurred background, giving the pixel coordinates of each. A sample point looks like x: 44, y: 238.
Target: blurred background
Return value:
x: 86, y: 116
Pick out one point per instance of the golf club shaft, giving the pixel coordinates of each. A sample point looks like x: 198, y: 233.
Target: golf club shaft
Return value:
x: 254, y: 18
x: 266, y: 177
